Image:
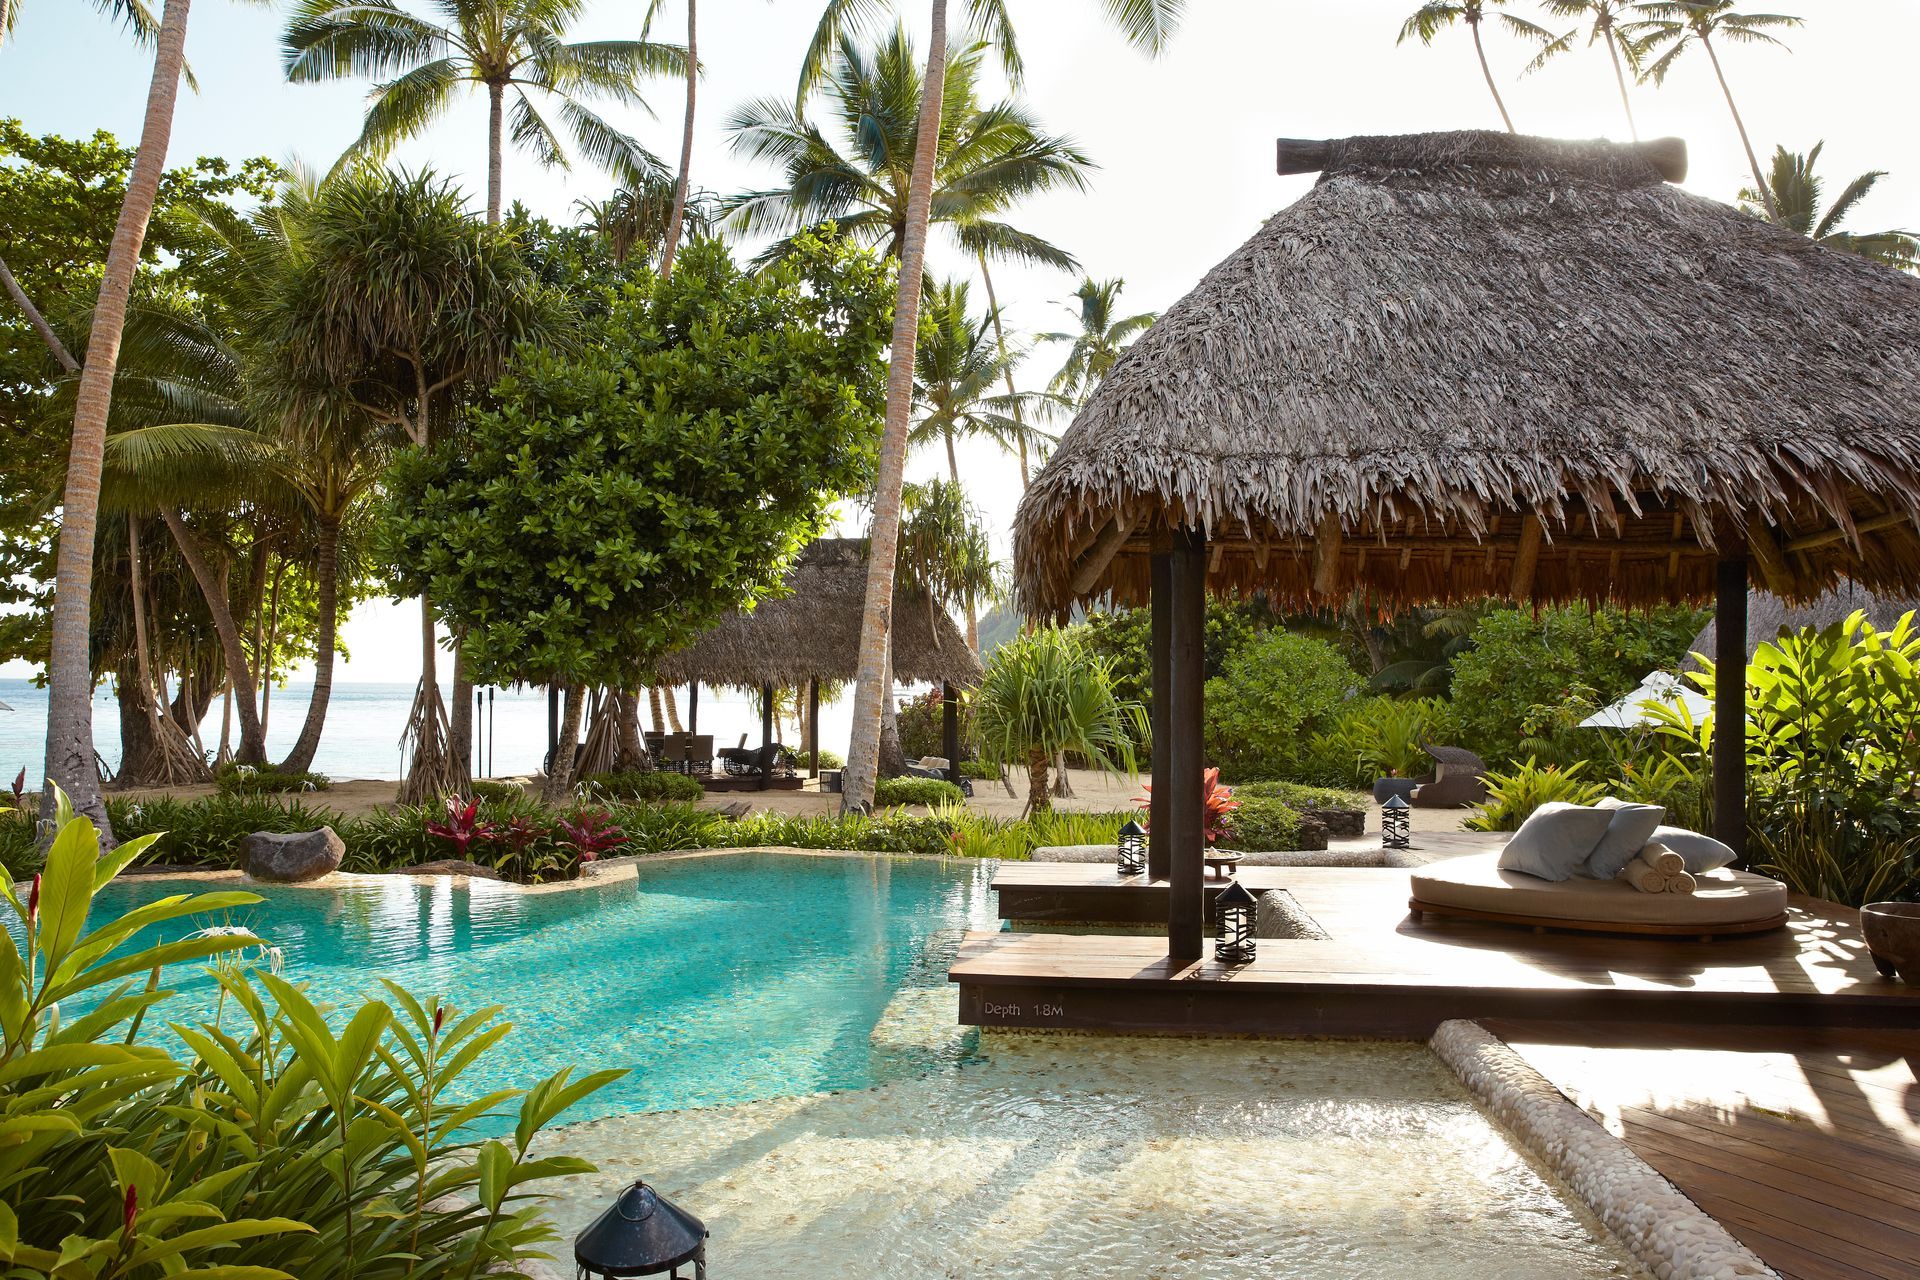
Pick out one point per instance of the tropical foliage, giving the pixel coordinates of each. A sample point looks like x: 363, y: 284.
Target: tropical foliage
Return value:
x: 1794, y: 193
x: 1270, y: 698
x: 1097, y: 340
x: 1046, y: 694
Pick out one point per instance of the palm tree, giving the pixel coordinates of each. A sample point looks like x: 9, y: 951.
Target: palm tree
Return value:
x: 944, y: 550
x: 855, y: 173
x: 1147, y: 24
x: 1099, y: 340
x: 637, y: 219
x: 1794, y: 189
x: 1430, y: 18
x: 1603, y: 27
x: 133, y: 14
x: 1678, y: 25
x: 517, y: 45
x: 956, y: 367
x: 70, y: 756
x: 1046, y: 695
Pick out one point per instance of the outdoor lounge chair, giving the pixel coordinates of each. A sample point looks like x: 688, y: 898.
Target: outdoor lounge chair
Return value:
x: 1474, y: 887
x: 1458, y: 780
x: 936, y: 767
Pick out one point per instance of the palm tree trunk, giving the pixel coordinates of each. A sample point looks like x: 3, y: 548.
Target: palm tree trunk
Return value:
x: 253, y: 746
x: 953, y: 463
x: 326, y: 628
x: 559, y: 784
x: 272, y: 638
x: 876, y: 615
x: 1620, y: 78
x: 34, y: 318
x: 679, y: 211
x: 653, y: 707
x: 673, y: 710
x: 496, y: 94
x: 633, y: 751
x: 1753, y: 161
x: 1487, y: 71
x: 893, y: 758
x: 1000, y: 337
x: 70, y: 756
x: 460, y: 715
x: 1039, y: 796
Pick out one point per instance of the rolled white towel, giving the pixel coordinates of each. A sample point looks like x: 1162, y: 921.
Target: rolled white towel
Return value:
x: 1643, y: 876
x: 1663, y: 859
x: 1682, y: 882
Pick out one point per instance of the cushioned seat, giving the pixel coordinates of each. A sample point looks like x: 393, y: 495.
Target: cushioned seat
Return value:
x: 1475, y: 887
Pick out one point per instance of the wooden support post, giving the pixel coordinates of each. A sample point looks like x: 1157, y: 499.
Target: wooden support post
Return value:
x: 1186, y: 657
x: 1326, y: 557
x: 1730, y: 700
x: 1526, y: 558
x: 1159, y: 839
x: 813, y: 727
x: 693, y: 706
x: 950, y: 729
x: 766, y: 736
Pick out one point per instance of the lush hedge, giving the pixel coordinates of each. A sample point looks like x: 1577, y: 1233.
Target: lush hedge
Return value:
x: 265, y: 779
x: 634, y: 784
x: 1259, y: 824
x: 927, y: 791
x: 1300, y: 795
x: 1275, y: 695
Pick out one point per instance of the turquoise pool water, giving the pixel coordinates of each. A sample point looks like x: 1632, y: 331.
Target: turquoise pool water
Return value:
x: 716, y: 980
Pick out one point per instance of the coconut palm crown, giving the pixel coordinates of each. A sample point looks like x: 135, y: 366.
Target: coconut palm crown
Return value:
x: 1099, y: 340
x: 1430, y: 19
x: 956, y: 366
x: 505, y: 46
x: 1795, y: 190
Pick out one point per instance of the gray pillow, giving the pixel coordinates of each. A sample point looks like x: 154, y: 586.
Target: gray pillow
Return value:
x: 1556, y: 841
x: 1628, y: 831
x: 1702, y: 853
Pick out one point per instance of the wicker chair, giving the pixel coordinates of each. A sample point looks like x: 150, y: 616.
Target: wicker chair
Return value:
x: 1458, y: 780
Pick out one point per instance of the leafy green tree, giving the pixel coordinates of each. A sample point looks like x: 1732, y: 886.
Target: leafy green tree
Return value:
x: 1430, y: 19
x: 1098, y: 340
x: 1046, y: 694
x: 1669, y: 28
x: 616, y: 500
x: 516, y: 46
x: 1793, y: 190
x: 1270, y: 697
x: 1603, y: 27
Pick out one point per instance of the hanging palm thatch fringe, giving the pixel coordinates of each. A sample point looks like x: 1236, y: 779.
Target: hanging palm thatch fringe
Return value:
x: 814, y: 631
x: 1472, y: 364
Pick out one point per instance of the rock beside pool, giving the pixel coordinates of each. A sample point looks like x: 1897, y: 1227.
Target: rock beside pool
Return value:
x: 291, y: 857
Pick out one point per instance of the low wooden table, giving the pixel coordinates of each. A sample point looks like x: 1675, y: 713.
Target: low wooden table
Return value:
x: 1224, y: 863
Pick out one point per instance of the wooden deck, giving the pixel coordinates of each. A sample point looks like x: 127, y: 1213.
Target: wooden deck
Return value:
x: 1380, y: 974
x: 1804, y: 1143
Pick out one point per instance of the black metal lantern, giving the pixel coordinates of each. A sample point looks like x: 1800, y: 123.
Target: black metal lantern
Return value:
x: 1234, y: 914
x: 1130, y: 849
x: 1396, y: 823
x: 643, y: 1234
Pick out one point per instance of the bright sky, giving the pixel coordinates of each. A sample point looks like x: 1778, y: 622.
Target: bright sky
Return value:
x: 1185, y: 143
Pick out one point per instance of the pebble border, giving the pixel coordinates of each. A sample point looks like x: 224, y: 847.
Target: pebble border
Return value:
x: 1661, y: 1227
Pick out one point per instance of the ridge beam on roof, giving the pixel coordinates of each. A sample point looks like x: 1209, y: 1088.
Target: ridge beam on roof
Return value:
x: 1311, y: 155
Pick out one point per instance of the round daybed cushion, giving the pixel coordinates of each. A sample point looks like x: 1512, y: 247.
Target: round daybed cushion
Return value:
x: 1475, y: 883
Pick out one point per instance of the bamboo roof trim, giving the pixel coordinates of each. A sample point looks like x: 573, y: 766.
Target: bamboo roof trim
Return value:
x: 1471, y: 364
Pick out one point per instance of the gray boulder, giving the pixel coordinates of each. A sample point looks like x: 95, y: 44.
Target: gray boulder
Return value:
x: 302, y: 855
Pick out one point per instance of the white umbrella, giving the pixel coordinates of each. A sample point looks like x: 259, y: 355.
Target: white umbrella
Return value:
x: 1661, y: 687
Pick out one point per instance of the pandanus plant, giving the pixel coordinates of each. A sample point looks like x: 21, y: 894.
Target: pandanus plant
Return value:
x: 1046, y: 694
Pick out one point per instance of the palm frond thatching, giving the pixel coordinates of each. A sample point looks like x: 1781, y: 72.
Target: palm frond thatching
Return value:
x: 1468, y: 364
x: 814, y: 630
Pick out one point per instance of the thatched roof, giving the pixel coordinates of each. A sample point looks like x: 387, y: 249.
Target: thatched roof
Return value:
x: 814, y: 630
x: 1769, y: 617
x: 1471, y: 364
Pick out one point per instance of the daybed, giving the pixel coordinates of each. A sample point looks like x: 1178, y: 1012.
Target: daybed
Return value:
x: 1726, y: 903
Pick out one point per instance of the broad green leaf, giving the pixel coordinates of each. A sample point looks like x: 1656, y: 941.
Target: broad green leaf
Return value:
x: 66, y: 888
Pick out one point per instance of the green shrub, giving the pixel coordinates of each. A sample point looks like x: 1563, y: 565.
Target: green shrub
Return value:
x: 482, y: 789
x: 923, y: 727
x: 390, y: 838
x: 928, y: 791
x: 222, y: 1153
x: 19, y: 851
x: 1059, y: 827
x: 980, y: 770
x: 1513, y: 795
x: 828, y: 760
x: 265, y: 779
x: 1304, y: 796
x: 634, y: 784
x: 208, y: 832
x: 1275, y: 694
x: 1263, y: 825
x: 670, y: 828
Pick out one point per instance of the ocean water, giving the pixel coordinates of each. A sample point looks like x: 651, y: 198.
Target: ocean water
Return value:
x: 364, y: 721
x: 714, y: 980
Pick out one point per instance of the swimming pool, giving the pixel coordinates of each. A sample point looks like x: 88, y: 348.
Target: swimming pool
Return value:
x: 715, y: 980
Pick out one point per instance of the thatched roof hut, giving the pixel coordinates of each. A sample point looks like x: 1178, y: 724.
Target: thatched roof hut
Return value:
x: 814, y: 632
x: 1769, y: 617
x: 1472, y: 364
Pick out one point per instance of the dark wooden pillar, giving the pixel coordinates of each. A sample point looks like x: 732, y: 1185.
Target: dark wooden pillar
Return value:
x: 693, y: 707
x: 766, y: 736
x: 813, y: 727
x: 950, y: 729
x: 1159, y: 838
x: 1183, y: 757
x: 1730, y: 700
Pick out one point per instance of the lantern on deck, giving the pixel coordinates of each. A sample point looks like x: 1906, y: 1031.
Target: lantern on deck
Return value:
x: 643, y: 1234
x: 1130, y: 849
x: 1396, y: 823
x: 1234, y: 915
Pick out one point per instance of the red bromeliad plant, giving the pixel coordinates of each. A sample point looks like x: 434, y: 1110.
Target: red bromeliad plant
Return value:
x: 592, y: 833
x: 1216, y: 802
x: 463, y: 828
